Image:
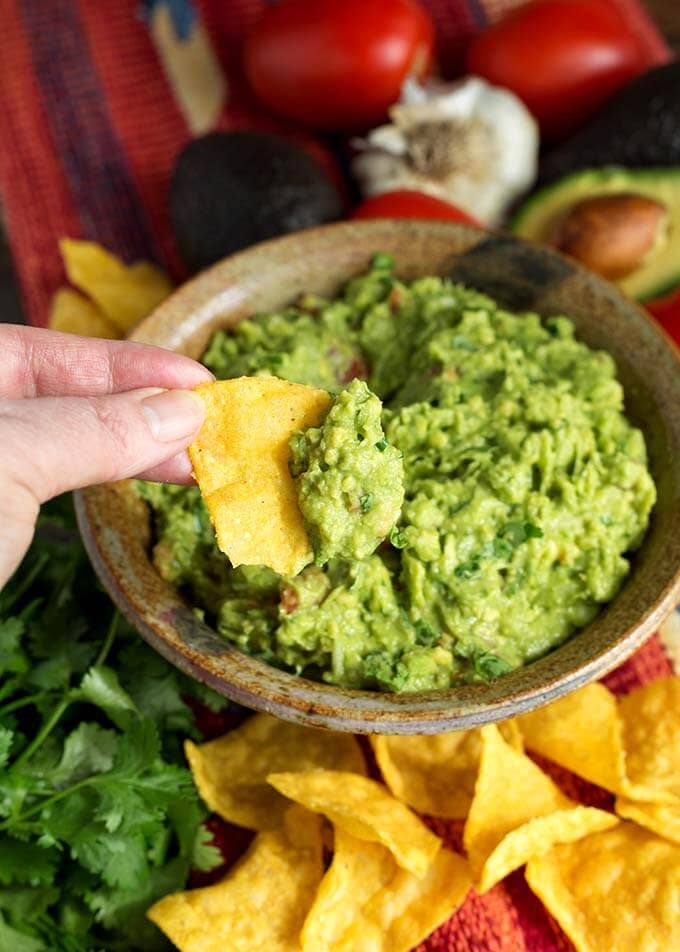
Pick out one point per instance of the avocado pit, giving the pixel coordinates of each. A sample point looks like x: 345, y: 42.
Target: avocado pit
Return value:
x: 612, y: 235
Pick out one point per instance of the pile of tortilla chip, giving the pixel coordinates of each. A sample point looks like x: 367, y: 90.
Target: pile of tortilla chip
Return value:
x: 114, y: 297
x: 610, y: 879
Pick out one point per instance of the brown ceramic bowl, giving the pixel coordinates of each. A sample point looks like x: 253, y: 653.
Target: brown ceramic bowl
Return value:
x: 115, y: 524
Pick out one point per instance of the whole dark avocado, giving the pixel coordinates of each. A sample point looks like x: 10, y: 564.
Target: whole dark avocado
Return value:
x: 638, y: 127
x: 232, y: 189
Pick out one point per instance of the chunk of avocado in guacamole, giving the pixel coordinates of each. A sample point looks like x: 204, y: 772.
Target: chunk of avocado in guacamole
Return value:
x: 526, y: 490
x: 350, y: 481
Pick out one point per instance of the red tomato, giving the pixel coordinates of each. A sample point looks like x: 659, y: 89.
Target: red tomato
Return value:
x: 337, y: 64
x: 408, y: 203
x: 563, y: 58
x: 667, y: 312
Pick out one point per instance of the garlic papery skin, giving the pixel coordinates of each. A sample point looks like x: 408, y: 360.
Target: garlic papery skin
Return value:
x: 470, y: 143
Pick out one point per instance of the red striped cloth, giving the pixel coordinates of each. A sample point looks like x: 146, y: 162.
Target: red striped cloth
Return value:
x: 89, y: 128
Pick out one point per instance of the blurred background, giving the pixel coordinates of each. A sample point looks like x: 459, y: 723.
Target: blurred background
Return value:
x: 666, y: 14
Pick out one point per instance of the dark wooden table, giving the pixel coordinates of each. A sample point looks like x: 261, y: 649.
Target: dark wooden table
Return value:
x: 665, y: 12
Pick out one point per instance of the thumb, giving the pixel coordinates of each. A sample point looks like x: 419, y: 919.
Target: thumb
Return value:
x: 54, y: 444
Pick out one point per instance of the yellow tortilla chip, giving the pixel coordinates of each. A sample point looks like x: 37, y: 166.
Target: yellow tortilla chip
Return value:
x: 436, y: 774
x: 240, y: 459
x: 583, y: 733
x: 124, y: 293
x: 365, y: 901
x: 661, y: 818
x: 359, y: 870
x: 231, y: 772
x: 518, y: 812
x: 365, y: 809
x: 261, y: 903
x: 618, y: 890
x: 651, y: 737
x: 71, y: 313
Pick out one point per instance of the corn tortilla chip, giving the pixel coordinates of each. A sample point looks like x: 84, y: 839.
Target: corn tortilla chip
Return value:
x: 261, y: 903
x: 518, y: 812
x: 661, y: 818
x: 617, y: 890
x: 240, y: 459
x: 366, y: 903
x: 651, y: 737
x: 436, y: 774
x: 231, y: 772
x: 405, y: 912
x: 124, y: 293
x: 71, y: 313
x: 365, y: 809
x: 583, y: 733
x: 358, y: 871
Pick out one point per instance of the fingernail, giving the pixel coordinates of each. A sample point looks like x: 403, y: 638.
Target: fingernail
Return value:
x: 173, y: 414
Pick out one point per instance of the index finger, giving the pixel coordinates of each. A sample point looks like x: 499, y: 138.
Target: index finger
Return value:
x: 42, y: 363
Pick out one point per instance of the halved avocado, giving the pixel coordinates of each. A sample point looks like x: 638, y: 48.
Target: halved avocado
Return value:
x: 659, y: 270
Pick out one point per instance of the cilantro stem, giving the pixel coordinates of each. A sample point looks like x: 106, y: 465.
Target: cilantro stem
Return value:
x: 67, y: 699
x: 45, y: 730
x: 26, y: 583
x: 108, y: 641
x: 38, y: 807
x: 22, y: 702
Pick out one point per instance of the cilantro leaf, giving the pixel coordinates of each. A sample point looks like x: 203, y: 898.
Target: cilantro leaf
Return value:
x: 366, y: 502
x: 139, y: 749
x: 119, y: 859
x: 26, y: 863
x: 89, y: 749
x: 19, y: 941
x: 205, y: 855
x: 6, y: 740
x: 467, y: 570
x: 26, y: 903
x: 488, y: 666
x: 156, y: 689
x: 186, y: 817
x: 426, y: 634
x: 101, y: 687
x: 398, y: 538
x: 211, y: 699
x: 517, y: 533
x: 382, y: 262
x: 13, y: 658
x: 124, y: 910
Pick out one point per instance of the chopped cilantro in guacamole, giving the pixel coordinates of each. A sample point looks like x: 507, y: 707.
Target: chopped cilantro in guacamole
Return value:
x: 525, y: 489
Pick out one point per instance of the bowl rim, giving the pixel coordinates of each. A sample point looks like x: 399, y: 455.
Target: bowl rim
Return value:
x: 319, y: 704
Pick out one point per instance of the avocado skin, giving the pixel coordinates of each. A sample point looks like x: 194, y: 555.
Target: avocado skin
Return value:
x: 232, y: 189
x: 639, y: 126
x: 660, y: 270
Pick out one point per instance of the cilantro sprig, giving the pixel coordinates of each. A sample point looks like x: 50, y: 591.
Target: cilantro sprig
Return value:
x: 98, y: 813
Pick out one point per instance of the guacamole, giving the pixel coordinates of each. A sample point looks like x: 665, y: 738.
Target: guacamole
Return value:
x: 350, y: 481
x: 525, y: 490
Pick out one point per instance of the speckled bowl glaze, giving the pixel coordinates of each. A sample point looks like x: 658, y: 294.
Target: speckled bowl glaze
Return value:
x: 115, y: 523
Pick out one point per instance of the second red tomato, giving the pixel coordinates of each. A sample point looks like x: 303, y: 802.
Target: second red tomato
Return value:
x: 337, y: 64
x: 563, y: 58
x: 406, y: 203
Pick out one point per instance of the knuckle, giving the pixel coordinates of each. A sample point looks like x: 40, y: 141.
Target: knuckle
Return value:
x: 118, y: 423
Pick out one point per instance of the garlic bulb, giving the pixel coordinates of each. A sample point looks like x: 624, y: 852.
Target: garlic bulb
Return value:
x: 469, y: 143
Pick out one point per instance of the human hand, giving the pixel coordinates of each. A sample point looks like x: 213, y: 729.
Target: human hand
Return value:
x: 75, y: 411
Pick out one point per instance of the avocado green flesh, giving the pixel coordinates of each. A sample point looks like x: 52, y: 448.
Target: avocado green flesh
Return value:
x: 525, y: 488
x: 350, y: 481
x: 660, y: 271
